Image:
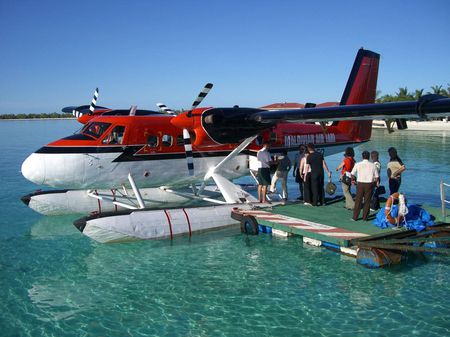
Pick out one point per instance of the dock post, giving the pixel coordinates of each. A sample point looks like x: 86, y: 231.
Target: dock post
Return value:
x: 443, y: 210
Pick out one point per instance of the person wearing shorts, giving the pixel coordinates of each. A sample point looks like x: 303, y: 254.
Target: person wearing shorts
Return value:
x: 263, y: 157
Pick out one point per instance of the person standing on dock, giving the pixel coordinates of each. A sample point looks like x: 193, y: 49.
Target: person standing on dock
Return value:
x: 296, y: 172
x: 281, y: 174
x: 264, y: 160
x: 346, y: 181
x: 395, y: 168
x: 317, y: 163
x: 375, y: 202
x: 366, y: 175
x: 305, y: 174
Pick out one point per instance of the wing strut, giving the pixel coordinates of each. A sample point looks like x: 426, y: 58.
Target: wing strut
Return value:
x: 231, y: 192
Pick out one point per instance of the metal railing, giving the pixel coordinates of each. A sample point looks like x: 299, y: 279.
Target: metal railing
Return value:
x: 443, y: 200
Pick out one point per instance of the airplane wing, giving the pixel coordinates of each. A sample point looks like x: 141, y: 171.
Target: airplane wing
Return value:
x: 428, y: 106
x: 231, y: 125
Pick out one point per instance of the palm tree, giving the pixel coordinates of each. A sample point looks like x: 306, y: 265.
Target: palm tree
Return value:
x: 404, y: 95
x: 418, y: 94
x: 438, y: 90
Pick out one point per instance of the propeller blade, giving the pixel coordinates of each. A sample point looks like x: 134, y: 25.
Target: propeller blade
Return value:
x: 165, y: 109
x: 202, y: 95
x: 76, y: 113
x: 188, y: 151
x: 93, y: 102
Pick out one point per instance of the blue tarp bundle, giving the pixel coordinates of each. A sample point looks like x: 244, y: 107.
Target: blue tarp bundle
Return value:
x: 417, y: 218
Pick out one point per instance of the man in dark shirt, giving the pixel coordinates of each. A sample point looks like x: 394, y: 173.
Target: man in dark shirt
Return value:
x: 317, y: 164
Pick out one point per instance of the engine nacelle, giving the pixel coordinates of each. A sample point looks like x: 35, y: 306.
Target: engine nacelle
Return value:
x: 232, y: 125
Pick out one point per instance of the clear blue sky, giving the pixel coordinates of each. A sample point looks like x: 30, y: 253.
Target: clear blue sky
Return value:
x: 54, y: 53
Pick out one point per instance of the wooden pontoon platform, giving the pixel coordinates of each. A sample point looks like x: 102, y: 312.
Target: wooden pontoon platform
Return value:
x: 331, y: 226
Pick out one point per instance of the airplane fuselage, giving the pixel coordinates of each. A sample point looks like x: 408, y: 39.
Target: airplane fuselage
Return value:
x: 151, y: 149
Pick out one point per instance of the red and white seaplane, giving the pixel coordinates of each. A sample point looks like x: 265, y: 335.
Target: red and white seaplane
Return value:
x: 129, y: 166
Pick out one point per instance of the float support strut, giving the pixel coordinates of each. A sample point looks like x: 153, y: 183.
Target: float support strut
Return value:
x: 136, y: 191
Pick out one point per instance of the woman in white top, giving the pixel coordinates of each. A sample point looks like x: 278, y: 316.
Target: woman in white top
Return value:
x: 305, y: 174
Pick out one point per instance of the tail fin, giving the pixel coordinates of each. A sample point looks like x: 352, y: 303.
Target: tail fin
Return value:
x: 361, y: 89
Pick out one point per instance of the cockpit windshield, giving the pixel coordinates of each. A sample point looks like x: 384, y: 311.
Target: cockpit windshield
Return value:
x: 95, y: 129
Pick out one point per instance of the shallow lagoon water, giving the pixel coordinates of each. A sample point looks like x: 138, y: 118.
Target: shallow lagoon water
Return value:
x: 56, y: 282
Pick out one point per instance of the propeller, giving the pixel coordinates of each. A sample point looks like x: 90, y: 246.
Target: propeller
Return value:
x: 93, y: 102
x: 186, y: 136
x: 188, y: 151
x: 200, y: 97
x: 79, y: 111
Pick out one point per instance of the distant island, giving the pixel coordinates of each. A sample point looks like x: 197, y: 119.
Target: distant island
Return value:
x: 37, y: 116
x: 403, y: 94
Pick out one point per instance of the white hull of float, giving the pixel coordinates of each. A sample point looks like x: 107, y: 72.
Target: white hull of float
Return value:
x: 62, y: 202
x: 157, y: 224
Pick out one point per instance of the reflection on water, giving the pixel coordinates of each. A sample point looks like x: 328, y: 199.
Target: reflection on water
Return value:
x: 52, y: 227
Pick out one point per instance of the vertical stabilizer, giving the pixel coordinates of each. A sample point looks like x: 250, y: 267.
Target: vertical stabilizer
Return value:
x: 361, y: 89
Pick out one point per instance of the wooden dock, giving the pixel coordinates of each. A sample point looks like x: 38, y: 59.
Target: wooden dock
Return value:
x: 331, y: 226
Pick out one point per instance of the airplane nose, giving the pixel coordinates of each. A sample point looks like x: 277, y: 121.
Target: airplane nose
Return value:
x: 33, y: 168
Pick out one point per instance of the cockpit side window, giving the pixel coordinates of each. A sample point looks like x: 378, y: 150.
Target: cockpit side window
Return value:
x: 152, y: 140
x: 95, y: 129
x: 115, y: 136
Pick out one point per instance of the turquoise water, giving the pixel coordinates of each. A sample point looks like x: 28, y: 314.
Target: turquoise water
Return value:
x: 56, y: 282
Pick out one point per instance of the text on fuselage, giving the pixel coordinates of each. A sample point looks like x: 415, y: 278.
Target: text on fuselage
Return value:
x: 315, y: 138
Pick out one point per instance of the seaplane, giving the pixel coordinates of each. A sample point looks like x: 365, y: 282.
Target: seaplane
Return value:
x: 143, y: 174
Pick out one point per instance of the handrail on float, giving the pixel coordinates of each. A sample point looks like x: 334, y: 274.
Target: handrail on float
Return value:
x: 443, y: 200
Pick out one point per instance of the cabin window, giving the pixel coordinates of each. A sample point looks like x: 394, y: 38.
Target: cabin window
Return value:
x: 152, y: 140
x: 180, y: 141
x: 96, y: 129
x: 115, y: 136
x: 167, y: 140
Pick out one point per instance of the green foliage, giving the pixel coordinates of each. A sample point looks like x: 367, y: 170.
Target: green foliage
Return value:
x: 404, y: 95
x: 37, y: 116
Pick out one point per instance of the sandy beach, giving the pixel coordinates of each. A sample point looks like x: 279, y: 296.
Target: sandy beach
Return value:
x: 414, y: 125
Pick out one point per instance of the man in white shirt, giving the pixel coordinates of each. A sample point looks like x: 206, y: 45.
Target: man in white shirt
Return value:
x: 264, y: 159
x: 366, y: 176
